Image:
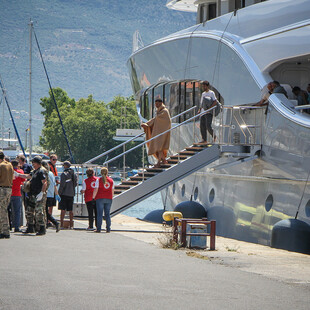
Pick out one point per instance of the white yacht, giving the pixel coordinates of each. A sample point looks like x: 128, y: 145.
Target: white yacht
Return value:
x: 260, y: 195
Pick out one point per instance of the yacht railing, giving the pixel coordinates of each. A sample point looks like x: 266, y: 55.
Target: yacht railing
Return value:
x: 234, y: 115
x: 134, y: 138
x: 233, y: 126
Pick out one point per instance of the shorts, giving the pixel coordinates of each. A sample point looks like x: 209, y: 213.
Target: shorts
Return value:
x: 66, y: 203
x: 50, y: 202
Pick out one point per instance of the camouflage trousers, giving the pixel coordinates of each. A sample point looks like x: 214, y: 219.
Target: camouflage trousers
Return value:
x: 5, y: 196
x: 35, y: 211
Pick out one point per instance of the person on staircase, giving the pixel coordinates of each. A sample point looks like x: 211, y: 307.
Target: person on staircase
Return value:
x: 160, y: 123
x: 208, y: 100
x: 68, y: 182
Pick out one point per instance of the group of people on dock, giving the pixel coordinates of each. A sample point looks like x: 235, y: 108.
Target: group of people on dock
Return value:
x: 36, y: 189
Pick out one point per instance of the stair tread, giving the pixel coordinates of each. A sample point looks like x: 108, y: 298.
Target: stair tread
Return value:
x: 177, y: 156
x: 147, y: 173
x: 129, y: 183
x: 187, y: 153
x: 155, y: 169
x: 120, y: 186
x: 194, y: 148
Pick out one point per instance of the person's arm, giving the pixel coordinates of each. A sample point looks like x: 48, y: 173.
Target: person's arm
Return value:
x: 112, y: 189
x: 83, y: 187
x: 96, y: 189
x: 44, y: 185
x: 62, y: 183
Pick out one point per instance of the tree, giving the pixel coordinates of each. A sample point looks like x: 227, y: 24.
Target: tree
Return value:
x: 90, y: 126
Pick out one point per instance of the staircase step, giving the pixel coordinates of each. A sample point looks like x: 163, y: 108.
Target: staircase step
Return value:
x: 130, y: 183
x: 204, y: 145
x: 182, y: 157
x: 148, y: 174
x: 117, y: 192
x: 165, y: 166
x: 173, y: 161
x: 194, y: 148
x: 138, y: 178
x: 122, y: 187
x: 157, y: 170
x: 188, y: 153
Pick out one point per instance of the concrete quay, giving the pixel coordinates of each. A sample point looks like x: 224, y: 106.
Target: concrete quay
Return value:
x: 127, y: 269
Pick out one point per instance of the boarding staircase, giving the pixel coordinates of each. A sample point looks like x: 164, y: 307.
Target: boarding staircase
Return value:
x: 151, y: 180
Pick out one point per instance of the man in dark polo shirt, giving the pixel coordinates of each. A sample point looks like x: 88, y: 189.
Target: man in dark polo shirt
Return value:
x: 6, y: 181
x: 36, y: 198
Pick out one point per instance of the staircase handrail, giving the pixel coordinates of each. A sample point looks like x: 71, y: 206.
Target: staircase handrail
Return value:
x: 147, y: 141
x: 137, y: 136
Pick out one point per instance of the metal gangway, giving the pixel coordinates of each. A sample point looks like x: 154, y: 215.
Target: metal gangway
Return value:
x: 236, y: 137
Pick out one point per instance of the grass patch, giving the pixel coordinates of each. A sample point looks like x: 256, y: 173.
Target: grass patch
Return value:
x: 197, y: 255
x: 166, y: 240
x: 229, y: 249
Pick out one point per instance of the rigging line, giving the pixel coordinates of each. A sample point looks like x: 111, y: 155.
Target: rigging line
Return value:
x: 189, y: 50
x: 302, y: 196
x: 194, y: 183
x: 12, y: 118
x: 219, y: 47
x: 52, y: 92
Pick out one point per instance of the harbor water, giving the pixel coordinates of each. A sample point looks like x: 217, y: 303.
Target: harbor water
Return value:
x: 141, y: 209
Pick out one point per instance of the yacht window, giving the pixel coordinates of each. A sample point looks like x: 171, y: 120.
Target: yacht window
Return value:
x: 223, y: 68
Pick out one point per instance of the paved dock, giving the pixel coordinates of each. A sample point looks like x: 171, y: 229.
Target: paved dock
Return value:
x: 127, y: 269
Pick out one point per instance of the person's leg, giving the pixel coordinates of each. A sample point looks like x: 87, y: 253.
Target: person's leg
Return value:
x: 50, y: 210
x: 4, y: 219
x: 50, y: 218
x: 62, y: 216
x: 90, y: 211
x: 62, y: 207
x: 95, y: 209
x: 203, y: 128
x: 99, y: 206
x: 71, y: 218
x: 40, y: 216
x: 16, y: 204
x: 30, y: 206
x: 107, y: 207
x: 209, y: 125
x: 161, y: 157
x: 70, y: 209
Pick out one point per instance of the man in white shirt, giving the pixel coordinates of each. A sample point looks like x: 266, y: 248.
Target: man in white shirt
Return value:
x: 207, y: 101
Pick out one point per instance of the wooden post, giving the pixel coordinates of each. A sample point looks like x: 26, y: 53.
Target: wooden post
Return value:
x: 183, y: 232
x: 212, y: 235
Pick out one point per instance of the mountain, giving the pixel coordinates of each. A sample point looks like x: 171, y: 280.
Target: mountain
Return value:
x: 85, y: 46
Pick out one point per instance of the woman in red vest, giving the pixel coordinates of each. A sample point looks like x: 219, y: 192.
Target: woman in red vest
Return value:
x: 103, y: 194
x: 88, y: 190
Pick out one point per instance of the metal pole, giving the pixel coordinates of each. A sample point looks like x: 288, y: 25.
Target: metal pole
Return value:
x: 30, y: 88
x: 2, y: 125
x: 143, y: 164
x: 124, y: 162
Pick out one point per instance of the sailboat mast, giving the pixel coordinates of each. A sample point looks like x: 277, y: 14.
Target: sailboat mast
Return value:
x: 30, y: 88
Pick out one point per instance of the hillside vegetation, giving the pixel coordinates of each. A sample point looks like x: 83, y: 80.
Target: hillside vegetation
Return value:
x: 85, y: 45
